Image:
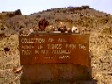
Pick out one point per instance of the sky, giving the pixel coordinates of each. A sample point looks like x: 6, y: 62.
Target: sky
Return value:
x: 33, y: 6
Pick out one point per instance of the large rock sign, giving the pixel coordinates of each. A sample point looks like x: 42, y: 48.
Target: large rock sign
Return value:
x: 44, y: 56
x: 72, y: 49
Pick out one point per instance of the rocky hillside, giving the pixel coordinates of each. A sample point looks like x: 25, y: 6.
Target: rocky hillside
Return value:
x: 91, y: 21
x: 84, y: 17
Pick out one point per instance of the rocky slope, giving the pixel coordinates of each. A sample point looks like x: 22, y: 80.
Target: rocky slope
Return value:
x: 91, y: 21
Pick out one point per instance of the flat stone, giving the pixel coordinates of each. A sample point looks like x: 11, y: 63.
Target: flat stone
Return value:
x: 54, y: 73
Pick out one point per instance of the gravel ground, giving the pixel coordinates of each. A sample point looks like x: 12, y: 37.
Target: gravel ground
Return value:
x: 100, y: 53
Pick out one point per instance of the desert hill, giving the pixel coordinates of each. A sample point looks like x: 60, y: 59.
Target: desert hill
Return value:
x: 85, y: 17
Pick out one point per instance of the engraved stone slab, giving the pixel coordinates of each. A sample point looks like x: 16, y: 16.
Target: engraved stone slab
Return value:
x: 54, y: 58
x: 73, y: 49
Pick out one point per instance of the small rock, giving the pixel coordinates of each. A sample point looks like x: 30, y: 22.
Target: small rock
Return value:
x: 17, y: 69
x: 6, y: 49
x: 2, y: 29
x: 110, y: 74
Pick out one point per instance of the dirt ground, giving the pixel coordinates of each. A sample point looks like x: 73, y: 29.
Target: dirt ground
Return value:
x: 100, y: 47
